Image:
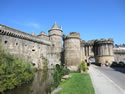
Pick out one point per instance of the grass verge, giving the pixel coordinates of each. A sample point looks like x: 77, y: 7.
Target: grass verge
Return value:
x: 77, y: 84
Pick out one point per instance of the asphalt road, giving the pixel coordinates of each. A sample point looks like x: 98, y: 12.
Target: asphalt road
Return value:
x: 117, y: 75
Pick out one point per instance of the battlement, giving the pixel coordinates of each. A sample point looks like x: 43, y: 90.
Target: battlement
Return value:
x: 119, y: 50
x: 83, y: 42
x: 104, y: 41
x: 90, y: 42
x: 72, y: 35
x: 5, y: 30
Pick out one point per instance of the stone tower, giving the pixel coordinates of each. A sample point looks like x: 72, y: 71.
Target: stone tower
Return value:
x: 104, y: 51
x: 55, y: 36
x: 72, y: 52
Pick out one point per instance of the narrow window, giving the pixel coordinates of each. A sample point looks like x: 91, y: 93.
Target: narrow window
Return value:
x: 5, y: 42
x: 33, y: 50
x: 33, y: 64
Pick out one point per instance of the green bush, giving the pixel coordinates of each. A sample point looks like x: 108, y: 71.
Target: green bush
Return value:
x: 13, y: 71
x: 59, y: 71
x: 83, y: 67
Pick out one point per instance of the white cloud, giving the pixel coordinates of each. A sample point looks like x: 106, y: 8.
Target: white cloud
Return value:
x: 32, y: 24
x: 29, y: 24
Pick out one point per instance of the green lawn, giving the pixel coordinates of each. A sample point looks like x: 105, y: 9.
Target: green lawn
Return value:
x: 77, y: 84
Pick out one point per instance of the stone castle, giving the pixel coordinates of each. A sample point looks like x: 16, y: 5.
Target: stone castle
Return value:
x: 73, y: 50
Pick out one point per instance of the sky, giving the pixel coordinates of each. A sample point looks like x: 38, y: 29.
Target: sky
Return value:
x: 93, y: 19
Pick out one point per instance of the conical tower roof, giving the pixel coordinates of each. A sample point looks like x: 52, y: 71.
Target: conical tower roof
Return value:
x: 55, y: 26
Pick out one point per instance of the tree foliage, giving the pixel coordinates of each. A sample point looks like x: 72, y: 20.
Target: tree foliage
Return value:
x: 13, y: 71
x: 83, y: 67
x: 59, y: 71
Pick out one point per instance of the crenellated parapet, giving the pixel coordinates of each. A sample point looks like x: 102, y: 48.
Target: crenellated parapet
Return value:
x: 83, y: 42
x: 119, y: 50
x: 5, y: 30
x: 72, y: 35
x: 104, y: 41
x: 90, y: 43
x: 103, y: 50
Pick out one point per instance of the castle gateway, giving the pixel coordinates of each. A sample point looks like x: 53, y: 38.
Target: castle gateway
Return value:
x: 37, y: 48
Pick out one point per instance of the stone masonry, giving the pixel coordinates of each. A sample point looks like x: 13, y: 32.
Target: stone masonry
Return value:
x: 103, y: 50
x: 119, y: 54
x: 72, y: 54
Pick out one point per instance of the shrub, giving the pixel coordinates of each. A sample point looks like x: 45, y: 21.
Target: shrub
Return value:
x: 83, y: 67
x: 13, y: 71
x: 59, y: 71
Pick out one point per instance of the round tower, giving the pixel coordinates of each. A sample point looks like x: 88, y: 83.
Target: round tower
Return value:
x: 55, y: 35
x: 72, y: 54
x: 104, y: 51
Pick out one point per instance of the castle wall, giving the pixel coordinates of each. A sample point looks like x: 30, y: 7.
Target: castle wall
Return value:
x: 87, y: 50
x: 24, y: 45
x: 119, y: 54
x: 83, y: 51
x: 83, y: 57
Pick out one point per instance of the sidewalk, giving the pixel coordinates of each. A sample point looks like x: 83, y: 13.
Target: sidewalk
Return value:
x: 102, y: 84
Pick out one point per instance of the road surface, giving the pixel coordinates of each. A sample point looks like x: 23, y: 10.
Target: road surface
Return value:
x: 116, y: 74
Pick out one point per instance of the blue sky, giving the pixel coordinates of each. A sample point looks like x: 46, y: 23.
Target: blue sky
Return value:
x: 93, y: 19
